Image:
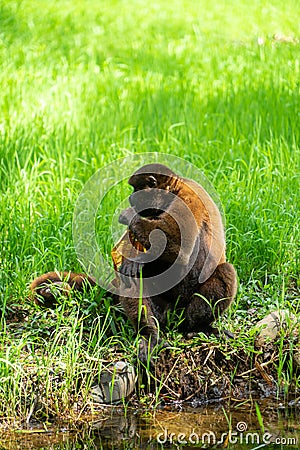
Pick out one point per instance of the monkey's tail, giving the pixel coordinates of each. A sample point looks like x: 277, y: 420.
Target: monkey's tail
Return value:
x: 47, y: 288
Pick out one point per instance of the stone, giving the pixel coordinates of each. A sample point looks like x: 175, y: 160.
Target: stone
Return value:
x: 117, y: 382
x: 270, y: 327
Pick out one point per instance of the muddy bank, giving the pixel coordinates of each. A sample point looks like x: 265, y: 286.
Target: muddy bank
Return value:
x: 55, y: 382
x: 212, y: 371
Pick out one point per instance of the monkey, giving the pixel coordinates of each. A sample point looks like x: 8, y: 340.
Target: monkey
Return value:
x: 181, y: 230
x: 177, y: 220
x: 48, y: 287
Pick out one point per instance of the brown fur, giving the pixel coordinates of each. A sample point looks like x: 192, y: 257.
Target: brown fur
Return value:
x: 160, y: 210
x: 165, y: 202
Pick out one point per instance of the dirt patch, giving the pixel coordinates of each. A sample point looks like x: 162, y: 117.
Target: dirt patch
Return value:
x: 214, y: 371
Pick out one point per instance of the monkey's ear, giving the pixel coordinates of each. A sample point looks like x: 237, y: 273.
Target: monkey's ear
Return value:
x: 151, y: 181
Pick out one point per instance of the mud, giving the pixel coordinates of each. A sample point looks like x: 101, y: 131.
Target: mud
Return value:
x: 216, y: 371
x: 201, y: 371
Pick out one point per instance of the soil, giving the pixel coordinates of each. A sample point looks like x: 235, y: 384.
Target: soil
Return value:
x: 198, y: 372
x: 213, y: 372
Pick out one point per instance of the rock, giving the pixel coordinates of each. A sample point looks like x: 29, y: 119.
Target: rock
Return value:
x: 270, y: 326
x: 117, y: 382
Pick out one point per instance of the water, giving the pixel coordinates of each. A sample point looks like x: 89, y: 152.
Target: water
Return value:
x: 236, y: 427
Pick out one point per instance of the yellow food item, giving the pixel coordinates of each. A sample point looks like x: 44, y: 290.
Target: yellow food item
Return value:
x: 126, y: 247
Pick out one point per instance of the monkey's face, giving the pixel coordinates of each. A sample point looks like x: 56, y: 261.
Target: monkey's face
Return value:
x: 152, y: 194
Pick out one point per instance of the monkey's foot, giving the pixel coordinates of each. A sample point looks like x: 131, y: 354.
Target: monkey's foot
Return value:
x: 149, y: 348
x: 209, y: 330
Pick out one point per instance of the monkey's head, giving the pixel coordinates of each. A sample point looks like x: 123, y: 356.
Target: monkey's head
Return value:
x: 153, y: 189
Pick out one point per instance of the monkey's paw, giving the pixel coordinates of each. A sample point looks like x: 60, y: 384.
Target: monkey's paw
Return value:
x: 211, y: 331
x: 130, y: 272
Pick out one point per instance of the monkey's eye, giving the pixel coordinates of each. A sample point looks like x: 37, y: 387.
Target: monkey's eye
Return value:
x: 151, y: 181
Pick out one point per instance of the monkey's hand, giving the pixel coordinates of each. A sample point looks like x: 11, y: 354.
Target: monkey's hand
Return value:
x: 149, y: 348
x: 126, y: 216
x: 130, y: 270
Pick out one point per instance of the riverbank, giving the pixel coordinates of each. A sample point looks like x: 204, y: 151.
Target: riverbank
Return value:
x: 54, y: 357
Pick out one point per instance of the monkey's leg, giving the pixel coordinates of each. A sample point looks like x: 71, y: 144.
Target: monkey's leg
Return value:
x: 140, y: 315
x: 215, y: 295
x: 145, y: 323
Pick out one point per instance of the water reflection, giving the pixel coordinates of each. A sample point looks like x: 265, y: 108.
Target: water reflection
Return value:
x: 210, y: 427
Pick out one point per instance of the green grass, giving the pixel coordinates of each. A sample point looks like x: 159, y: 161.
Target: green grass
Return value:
x: 84, y: 83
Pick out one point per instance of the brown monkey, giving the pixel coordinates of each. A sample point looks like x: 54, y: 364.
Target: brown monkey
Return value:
x: 176, y: 220
x: 48, y: 287
x: 189, y: 248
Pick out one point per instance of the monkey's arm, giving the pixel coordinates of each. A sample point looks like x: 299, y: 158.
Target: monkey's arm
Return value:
x: 140, y: 314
